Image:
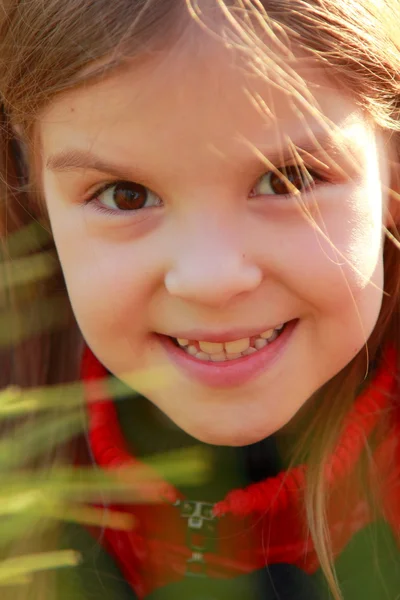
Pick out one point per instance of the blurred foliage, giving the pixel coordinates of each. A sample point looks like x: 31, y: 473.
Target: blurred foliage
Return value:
x: 31, y: 495
x: 31, y: 238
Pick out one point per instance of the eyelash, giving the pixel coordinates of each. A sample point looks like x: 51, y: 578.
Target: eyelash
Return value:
x: 317, y: 179
x: 97, y: 205
x: 300, y: 172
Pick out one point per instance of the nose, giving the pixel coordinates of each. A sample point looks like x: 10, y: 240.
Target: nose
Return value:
x: 212, y: 268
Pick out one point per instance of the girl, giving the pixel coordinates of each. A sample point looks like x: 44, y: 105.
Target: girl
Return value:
x: 220, y: 179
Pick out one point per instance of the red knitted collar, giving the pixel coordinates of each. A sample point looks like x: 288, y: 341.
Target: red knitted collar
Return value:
x: 273, y: 494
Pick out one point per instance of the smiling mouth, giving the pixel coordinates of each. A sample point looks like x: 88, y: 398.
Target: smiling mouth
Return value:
x: 219, y: 352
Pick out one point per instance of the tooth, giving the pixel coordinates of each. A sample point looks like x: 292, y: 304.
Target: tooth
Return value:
x: 279, y: 327
x: 218, y: 357
x: 182, y: 342
x: 273, y: 336
x: 267, y: 334
x: 237, y: 346
x: 192, y: 350
x: 250, y: 350
x: 233, y: 356
x: 211, y: 347
x: 260, y: 343
x: 202, y: 356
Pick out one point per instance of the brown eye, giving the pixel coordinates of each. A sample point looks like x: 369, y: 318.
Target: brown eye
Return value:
x: 278, y: 185
x: 127, y: 195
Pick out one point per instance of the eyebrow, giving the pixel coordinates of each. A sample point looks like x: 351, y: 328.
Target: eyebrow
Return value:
x: 74, y: 159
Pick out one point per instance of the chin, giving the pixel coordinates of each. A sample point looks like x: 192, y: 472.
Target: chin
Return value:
x: 228, y: 436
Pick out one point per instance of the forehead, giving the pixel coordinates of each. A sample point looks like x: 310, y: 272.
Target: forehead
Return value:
x: 199, y: 97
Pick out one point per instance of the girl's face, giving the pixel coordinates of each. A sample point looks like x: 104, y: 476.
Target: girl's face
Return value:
x: 170, y: 224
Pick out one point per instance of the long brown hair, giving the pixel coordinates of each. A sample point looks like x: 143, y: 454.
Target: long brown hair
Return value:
x: 49, y: 47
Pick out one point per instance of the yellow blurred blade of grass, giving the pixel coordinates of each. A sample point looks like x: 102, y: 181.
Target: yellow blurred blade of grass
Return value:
x: 18, y: 569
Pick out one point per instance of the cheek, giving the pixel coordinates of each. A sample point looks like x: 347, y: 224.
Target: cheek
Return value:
x: 110, y: 284
x: 330, y: 270
x: 337, y: 258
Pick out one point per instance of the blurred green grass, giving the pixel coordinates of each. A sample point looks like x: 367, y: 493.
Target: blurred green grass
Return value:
x: 29, y: 495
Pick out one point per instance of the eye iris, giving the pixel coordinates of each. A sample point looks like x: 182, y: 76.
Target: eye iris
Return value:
x: 294, y: 175
x: 129, y: 196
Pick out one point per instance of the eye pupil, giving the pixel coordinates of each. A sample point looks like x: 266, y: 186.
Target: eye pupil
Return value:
x: 295, y: 175
x: 129, y: 196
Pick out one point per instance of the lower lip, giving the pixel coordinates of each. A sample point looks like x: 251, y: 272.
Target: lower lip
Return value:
x: 229, y: 373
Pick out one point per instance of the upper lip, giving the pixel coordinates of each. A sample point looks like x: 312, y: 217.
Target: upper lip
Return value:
x: 203, y: 335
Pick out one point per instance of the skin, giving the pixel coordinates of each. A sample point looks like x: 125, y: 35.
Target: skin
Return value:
x: 211, y: 255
